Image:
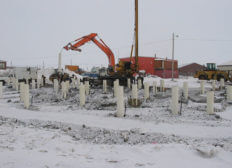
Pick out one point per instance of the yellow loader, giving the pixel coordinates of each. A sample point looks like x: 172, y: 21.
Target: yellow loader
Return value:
x: 211, y: 73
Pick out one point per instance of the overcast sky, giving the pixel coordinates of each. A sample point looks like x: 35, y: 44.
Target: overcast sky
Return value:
x: 33, y: 31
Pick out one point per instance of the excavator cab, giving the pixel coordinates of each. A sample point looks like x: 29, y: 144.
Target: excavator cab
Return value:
x: 121, y: 66
x: 127, y: 65
x: 124, y: 67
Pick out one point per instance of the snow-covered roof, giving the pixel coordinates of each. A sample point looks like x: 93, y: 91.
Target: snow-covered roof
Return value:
x: 226, y: 63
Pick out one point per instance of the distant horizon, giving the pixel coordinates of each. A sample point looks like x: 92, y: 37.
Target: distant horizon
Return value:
x: 89, y: 67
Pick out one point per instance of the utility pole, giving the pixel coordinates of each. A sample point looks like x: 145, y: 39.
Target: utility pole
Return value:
x: 43, y: 65
x: 136, y: 36
x: 173, y: 45
x: 59, y: 61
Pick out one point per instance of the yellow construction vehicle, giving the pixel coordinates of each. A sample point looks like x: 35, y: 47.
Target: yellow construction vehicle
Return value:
x: 210, y: 72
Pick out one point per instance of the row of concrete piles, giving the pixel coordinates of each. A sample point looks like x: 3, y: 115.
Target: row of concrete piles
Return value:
x: 175, y: 107
x: 118, y: 91
x: 210, y: 95
x: 202, y: 83
x: 84, y: 89
x: 34, y: 83
x: 22, y: 88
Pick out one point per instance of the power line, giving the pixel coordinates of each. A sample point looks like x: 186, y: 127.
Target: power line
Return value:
x: 154, y: 42
x: 210, y: 40
x: 141, y: 44
x: 179, y: 39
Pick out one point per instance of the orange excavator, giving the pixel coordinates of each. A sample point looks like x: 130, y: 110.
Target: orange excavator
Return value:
x: 121, y: 71
x: 76, y: 44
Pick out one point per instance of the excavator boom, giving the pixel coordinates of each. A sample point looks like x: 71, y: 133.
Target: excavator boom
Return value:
x: 92, y: 37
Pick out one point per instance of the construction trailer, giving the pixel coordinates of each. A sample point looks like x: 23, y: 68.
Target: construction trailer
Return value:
x: 156, y: 66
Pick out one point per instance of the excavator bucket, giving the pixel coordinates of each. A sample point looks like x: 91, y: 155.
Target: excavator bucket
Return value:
x: 75, y: 49
x: 71, y: 47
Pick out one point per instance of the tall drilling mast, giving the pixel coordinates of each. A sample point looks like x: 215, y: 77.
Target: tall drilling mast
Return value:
x: 136, y: 36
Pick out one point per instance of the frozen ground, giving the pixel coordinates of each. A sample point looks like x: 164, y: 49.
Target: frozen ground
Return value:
x: 58, y: 133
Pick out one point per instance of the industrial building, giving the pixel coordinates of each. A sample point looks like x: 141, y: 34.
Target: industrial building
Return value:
x: 156, y: 66
x: 2, y: 64
x: 226, y: 66
x: 190, y: 69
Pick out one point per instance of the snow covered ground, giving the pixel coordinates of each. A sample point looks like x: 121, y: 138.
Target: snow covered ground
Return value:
x: 58, y: 133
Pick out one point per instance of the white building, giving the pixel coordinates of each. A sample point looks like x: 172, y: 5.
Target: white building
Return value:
x: 227, y: 66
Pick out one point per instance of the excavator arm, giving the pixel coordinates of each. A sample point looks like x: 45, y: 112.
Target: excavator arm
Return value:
x: 92, y: 37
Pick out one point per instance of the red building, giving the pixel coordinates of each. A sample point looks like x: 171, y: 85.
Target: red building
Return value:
x: 156, y: 66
